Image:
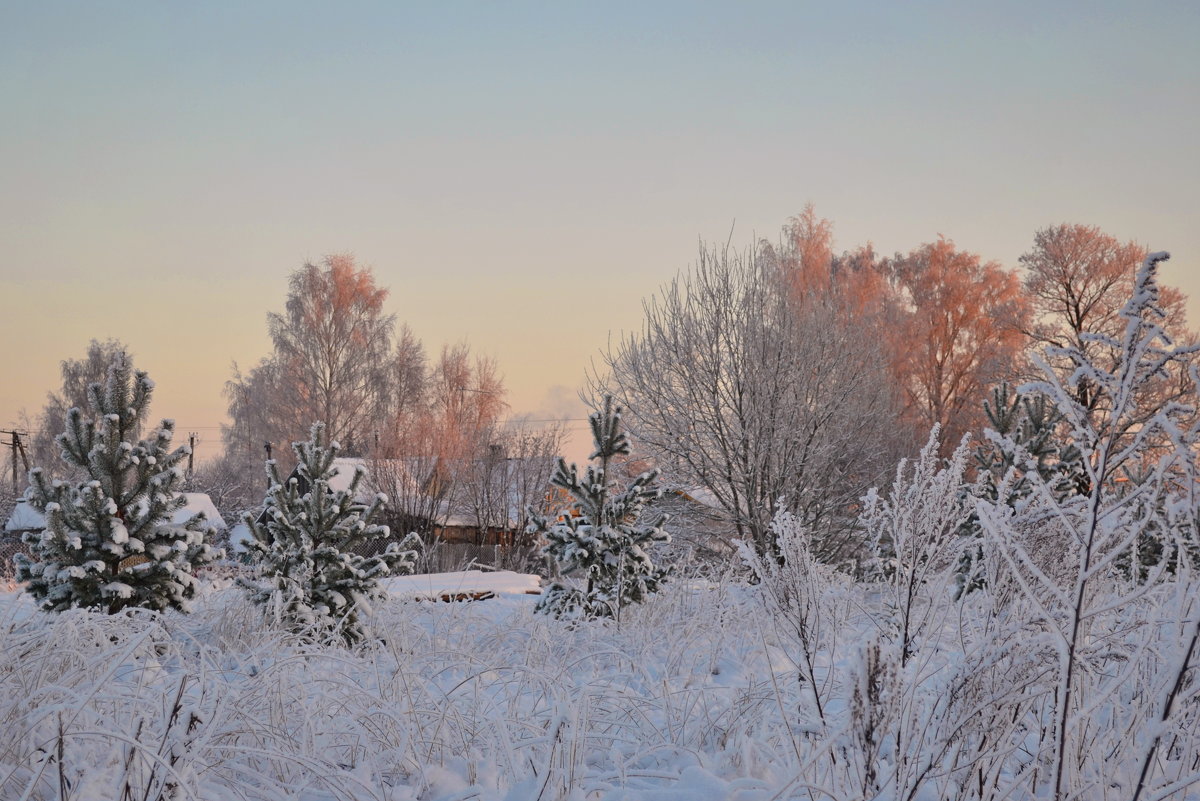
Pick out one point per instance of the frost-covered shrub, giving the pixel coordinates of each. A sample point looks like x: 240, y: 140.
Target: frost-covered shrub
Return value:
x: 808, y: 601
x: 602, y: 535
x: 309, y: 577
x: 1116, y: 678
x: 914, y: 534
x: 109, y: 542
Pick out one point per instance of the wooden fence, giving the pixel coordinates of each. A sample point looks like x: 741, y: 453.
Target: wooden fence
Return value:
x: 444, y: 557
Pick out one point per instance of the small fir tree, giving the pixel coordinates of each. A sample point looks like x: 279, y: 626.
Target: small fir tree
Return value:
x: 1026, y: 435
x: 310, y: 578
x: 602, y: 535
x: 109, y: 542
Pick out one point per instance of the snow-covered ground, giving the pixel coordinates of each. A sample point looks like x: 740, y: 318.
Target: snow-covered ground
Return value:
x: 702, y: 694
x: 463, y: 584
x: 482, y: 700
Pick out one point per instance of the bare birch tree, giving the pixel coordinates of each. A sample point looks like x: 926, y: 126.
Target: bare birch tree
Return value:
x: 735, y: 386
x: 500, y: 484
x: 960, y: 334
x: 332, y: 344
x: 1077, y: 279
x: 443, y: 422
x: 332, y: 362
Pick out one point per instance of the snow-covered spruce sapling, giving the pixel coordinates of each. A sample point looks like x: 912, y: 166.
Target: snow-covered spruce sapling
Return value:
x: 1025, y: 434
x: 602, y: 535
x: 109, y: 542
x: 310, y: 579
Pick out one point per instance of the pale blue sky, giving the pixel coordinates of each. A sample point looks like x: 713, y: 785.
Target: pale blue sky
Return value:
x: 521, y: 175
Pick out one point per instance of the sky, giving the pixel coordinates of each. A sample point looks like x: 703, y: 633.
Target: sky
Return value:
x: 520, y: 176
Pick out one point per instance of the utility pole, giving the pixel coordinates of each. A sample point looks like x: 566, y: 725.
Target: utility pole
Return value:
x: 191, y: 452
x: 14, y: 460
x: 21, y: 446
x: 267, y: 448
x: 18, y: 448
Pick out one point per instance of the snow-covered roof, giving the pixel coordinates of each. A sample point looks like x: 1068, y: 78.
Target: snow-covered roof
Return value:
x: 703, y: 496
x: 198, y: 502
x: 25, y: 518
x: 404, y: 478
x: 239, y: 537
x: 345, y: 467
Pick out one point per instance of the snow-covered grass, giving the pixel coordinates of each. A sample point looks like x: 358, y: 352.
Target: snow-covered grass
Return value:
x: 452, y: 701
x: 704, y: 693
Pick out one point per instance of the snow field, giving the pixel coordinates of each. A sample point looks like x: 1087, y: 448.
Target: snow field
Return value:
x: 466, y: 700
x: 705, y: 693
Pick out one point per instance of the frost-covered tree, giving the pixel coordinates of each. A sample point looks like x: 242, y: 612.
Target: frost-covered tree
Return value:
x: 913, y: 532
x: 1078, y: 278
x: 310, y: 577
x: 109, y: 542
x: 602, y: 535
x: 331, y: 362
x: 807, y: 602
x: 962, y: 332
x: 740, y: 385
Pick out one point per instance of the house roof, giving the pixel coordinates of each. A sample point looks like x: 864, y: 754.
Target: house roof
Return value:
x: 25, y: 518
x: 240, y: 537
x: 345, y: 467
x: 406, y: 478
x: 197, y: 502
x: 701, y: 495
